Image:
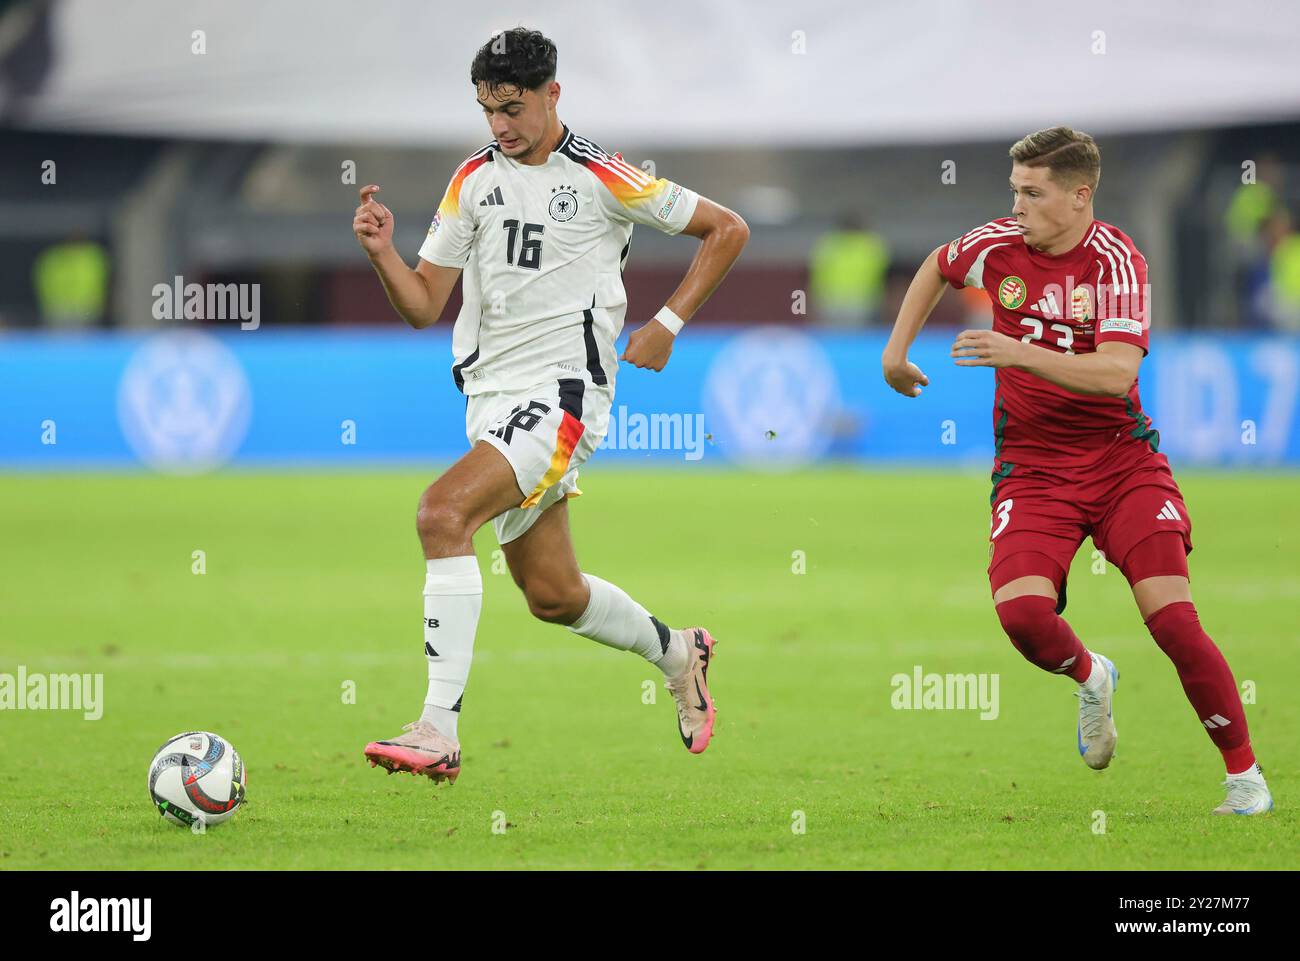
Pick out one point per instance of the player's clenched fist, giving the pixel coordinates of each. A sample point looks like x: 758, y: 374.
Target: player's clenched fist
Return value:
x: 373, y: 222
x: 649, y: 347
x: 904, y: 376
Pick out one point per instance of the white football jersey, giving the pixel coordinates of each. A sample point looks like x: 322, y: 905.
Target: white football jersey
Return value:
x: 543, y: 249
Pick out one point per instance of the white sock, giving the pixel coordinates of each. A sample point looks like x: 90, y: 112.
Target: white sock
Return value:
x: 1097, y: 676
x: 1252, y: 773
x: 617, y: 621
x: 453, y: 598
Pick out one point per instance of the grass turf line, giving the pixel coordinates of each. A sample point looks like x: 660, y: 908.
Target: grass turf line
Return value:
x: 313, y: 580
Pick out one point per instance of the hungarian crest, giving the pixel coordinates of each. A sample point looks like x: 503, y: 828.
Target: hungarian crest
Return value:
x: 1011, y: 292
x: 1081, y: 304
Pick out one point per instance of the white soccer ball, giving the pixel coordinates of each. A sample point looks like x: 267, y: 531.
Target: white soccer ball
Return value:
x: 197, y: 779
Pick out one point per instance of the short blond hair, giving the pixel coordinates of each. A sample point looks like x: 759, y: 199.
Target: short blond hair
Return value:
x: 1071, y: 156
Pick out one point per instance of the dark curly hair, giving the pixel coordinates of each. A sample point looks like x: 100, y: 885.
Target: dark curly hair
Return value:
x: 519, y: 58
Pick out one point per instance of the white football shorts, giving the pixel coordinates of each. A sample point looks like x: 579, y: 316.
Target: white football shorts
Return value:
x: 546, y: 433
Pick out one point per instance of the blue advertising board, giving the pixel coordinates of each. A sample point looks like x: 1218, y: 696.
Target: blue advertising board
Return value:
x: 183, y: 401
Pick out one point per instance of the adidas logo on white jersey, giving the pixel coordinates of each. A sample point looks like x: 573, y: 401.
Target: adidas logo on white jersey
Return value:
x: 494, y: 199
x: 1168, y: 513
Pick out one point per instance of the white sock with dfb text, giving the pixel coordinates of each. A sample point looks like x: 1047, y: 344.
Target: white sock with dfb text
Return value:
x: 453, y: 600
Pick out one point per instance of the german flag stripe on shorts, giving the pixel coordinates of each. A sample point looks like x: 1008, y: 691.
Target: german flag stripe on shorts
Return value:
x: 566, y: 438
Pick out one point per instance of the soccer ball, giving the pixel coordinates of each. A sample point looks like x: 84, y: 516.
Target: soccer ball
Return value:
x: 197, y: 779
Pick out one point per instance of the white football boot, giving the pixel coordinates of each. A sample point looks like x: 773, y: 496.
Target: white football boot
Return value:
x: 1096, y: 731
x: 1247, y: 793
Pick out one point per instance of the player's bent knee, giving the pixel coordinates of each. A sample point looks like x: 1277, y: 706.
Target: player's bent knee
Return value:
x: 554, y: 603
x: 1041, y: 637
x: 1026, y: 616
x: 440, y: 522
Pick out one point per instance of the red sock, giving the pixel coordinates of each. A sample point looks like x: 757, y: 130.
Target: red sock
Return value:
x: 1043, y: 637
x: 1207, y: 681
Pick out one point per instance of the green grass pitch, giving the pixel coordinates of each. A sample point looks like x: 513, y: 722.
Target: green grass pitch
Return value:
x: 313, y: 580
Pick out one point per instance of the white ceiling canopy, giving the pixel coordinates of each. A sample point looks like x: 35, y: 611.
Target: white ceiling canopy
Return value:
x: 676, y: 73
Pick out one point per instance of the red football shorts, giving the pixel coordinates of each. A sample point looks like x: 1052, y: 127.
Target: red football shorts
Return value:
x: 1041, y: 516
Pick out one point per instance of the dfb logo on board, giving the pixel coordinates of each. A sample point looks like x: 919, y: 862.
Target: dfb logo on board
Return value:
x: 184, y: 403
x: 771, y: 397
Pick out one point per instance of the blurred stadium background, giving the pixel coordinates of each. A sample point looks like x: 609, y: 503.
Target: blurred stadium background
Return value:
x: 212, y: 142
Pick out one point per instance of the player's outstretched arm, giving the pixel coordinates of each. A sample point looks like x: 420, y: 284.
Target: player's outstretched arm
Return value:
x: 418, y: 295
x: 1108, y: 372
x: 723, y: 234
x: 924, y: 292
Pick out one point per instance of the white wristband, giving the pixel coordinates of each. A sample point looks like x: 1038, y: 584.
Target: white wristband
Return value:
x: 669, y: 320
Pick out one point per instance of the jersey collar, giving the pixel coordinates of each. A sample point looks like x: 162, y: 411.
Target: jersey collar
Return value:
x: 565, y: 136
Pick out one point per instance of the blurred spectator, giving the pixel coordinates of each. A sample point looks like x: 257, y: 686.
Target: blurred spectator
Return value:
x: 71, y: 281
x: 1272, y: 280
x: 1284, y: 278
x: 1254, y: 203
x: 1257, y: 220
x: 847, y: 268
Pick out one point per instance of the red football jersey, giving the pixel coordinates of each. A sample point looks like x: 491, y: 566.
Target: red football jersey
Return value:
x: 1068, y: 303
